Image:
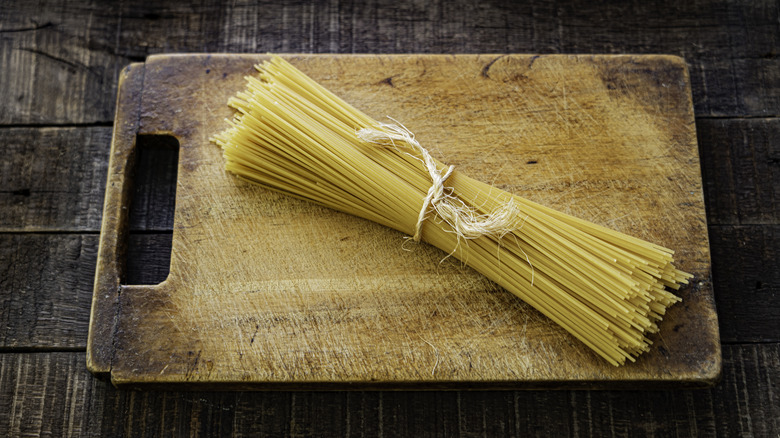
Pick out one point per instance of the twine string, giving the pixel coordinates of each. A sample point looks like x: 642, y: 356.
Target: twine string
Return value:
x: 465, y: 221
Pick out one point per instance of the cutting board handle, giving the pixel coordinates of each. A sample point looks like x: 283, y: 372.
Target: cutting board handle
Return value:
x: 152, y: 205
x: 146, y: 192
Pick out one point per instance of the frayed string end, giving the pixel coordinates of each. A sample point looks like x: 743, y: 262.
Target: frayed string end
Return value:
x: 465, y: 220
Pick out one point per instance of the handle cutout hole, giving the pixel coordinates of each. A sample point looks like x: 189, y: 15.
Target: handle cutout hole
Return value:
x: 152, y: 205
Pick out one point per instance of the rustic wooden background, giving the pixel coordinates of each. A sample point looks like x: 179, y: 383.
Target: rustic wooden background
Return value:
x: 58, y: 77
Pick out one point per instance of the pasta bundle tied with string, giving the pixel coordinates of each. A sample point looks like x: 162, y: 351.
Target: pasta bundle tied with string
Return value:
x: 292, y: 135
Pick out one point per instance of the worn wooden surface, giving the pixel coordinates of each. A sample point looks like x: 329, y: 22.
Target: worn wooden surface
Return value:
x: 266, y: 291
x: 731, y: 52
x: 491, y: 118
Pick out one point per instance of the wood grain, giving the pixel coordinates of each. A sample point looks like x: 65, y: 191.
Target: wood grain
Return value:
x: 60, y: 63
x: 85, y: 406
x: 329, y: 280
x: 53, y: 179
x: 46, y: 284
x: 748, y: 281
x: 47, y: 280
x: 83, y: 47
x: 740, y: 162
x: 49, y: 394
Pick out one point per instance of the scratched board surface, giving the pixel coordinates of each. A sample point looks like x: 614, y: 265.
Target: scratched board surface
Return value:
x: 267, y: 291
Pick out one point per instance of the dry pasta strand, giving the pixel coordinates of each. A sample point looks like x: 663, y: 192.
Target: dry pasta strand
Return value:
x: 607, y: 289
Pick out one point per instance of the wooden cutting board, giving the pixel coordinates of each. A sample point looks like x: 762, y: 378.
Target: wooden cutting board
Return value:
x: 266, y: 291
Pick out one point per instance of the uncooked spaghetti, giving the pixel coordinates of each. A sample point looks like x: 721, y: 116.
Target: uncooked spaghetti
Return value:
x: 292, y: 135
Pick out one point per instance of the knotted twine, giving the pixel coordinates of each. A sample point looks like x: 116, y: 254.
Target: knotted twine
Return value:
x: 466, y: 221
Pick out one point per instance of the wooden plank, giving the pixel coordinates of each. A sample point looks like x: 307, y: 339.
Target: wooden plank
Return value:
x: 53, y: 179
x: 730, y: 49
x: 746, y: 273
x: 740, y: 161
x: 60, y: 63
x: 742, y: 404
x: 49, y: 394
x: 46, y: 285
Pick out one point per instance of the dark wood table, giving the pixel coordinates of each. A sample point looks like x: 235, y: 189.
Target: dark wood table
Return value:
x: 58, y: 81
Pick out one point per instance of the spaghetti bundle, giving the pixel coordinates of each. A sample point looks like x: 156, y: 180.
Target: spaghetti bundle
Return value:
x: 292, y: 135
